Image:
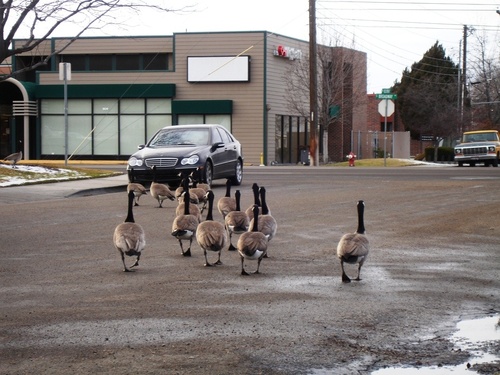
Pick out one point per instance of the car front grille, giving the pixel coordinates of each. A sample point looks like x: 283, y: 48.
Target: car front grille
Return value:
x: 475, y: 151
x: 161, y: 162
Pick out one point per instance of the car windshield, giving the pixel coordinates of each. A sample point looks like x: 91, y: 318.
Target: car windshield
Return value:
x: 176, y: 137
x: 480, y: 137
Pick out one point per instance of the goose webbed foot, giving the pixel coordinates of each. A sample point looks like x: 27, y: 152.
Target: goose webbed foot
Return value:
x: 244, y: 273
x: 218, y: 263
x: 231, y: 247
x: 127, y: 270
x: 345, y: 278
x: 357, y: 279
x: 187, y: 253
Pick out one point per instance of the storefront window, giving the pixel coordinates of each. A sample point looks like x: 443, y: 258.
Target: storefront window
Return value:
x: 106, y: 135
x: 131, y: 133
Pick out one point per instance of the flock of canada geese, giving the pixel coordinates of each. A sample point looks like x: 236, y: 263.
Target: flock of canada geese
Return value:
x: 255, y: 226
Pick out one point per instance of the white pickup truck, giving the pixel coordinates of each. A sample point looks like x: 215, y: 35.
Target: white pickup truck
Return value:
x: 481, y: 146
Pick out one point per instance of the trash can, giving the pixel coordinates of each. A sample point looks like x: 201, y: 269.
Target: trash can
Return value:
x: 304, y: 156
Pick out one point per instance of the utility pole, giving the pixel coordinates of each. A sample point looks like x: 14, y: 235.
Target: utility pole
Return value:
x: 464, y: 70
x: 313, y: 84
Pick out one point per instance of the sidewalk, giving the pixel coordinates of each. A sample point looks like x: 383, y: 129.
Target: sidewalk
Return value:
x: 61, y: 190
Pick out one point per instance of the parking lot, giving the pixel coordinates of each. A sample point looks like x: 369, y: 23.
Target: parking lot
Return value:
x: 66, y: 305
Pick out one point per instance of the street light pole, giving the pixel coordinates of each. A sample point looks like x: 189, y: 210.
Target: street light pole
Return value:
x: 65, y: 76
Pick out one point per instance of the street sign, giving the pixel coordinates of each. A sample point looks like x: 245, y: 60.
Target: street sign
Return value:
x: 382, y: 108
x: 386, y: 91
x: 386, y: 96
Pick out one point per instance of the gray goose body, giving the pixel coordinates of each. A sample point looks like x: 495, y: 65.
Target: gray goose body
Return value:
x: 184, y: 225
x: 353, y: 248
x: 138, y: 189
x: 227, y: 203
x: 236, y: 221
x: 160, y: 192
x: 211, y: 235
x: 267, y: 223
x: 14, y: 158
x: 252, y: 245
x: 129, y: 238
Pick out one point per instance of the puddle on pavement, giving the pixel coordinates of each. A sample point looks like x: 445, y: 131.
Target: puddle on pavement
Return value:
x: 471, y: 335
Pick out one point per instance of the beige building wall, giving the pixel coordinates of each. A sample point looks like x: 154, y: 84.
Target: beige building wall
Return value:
x: 247, y: 97
x: 277, y: 76
x: 255, y: 103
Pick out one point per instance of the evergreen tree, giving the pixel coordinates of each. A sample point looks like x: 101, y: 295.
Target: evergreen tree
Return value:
x: 428, y: 95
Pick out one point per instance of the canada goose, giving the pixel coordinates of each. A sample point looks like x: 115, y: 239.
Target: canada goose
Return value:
x: 129, y: 237
x: 256, y: 200
x: 193, y: 208
x: 160, y: 192
x: 253, y: 244
x: 211, y: 235
x: 180, y: 191
x: 354, y: 247
x: 226, y: 204
x: 184, y: 225
x: 14, y: 158
x: 138, y: 190
x: 197, y: 177
x: 236, y: 221
x: 200, y: 193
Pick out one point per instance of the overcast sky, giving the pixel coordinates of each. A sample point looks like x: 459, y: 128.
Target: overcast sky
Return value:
x: 394, y: 34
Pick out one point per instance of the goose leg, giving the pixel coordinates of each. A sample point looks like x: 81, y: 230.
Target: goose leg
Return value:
x: 231, y: 246
x: 188, y: 251
x: 258, y: 264
x: 243, y: 272
x: 136, y: 261
x: 345, y: 278
x: 206, y: 260
x: 359, y: 270
x: 125, y: 269
x: 218, y: 260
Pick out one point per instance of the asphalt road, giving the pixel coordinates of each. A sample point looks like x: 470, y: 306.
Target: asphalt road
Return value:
x: 66, y: 306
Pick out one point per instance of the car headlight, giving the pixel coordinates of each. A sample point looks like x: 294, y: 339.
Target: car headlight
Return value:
x: 458, y: 151
x: 190, y: 160
x: 491, y: 149
x: 134, y: 162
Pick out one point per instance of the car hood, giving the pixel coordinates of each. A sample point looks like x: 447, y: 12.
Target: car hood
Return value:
x: 174, y: 151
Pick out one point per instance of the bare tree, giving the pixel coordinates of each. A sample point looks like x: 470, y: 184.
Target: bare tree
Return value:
x: 484, y: 86
x: 34, y: 21
x: 337, y: 96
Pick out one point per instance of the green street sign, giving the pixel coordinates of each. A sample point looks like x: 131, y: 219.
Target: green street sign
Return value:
x: 386, y: 91
x: 386, y: 96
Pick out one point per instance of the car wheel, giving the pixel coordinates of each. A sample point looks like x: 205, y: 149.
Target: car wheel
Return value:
x: 495, y: 162
x: 460, y: 164
x: 472, y: 164
x: 238, y: 174
x: 209, y: 173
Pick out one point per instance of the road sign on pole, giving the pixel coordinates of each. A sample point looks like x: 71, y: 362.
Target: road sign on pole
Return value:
x: 386, y: 96
x: 382, y: 107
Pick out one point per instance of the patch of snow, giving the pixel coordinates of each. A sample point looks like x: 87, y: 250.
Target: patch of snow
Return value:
x: 426, y: 163
x: 49, y: 174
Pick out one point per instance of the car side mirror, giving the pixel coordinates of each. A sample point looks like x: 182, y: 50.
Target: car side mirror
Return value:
x: 140, y: 147
x: 216, y: 145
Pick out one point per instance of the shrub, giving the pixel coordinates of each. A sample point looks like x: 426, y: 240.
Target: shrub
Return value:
x: 444, y: 154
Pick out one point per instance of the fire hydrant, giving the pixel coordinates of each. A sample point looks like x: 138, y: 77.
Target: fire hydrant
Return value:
x: 351, y: 158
